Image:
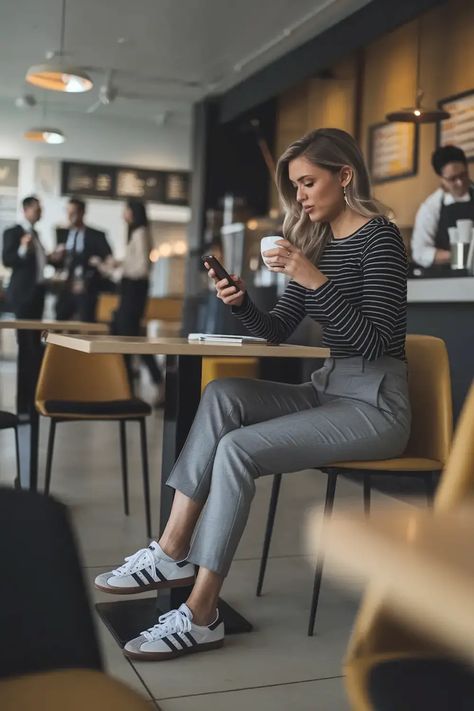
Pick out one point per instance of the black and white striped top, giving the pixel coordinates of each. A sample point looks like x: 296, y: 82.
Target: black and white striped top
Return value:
x: 362, y: 308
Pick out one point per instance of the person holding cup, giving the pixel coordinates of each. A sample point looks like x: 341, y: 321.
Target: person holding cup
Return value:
x: 440, y: 213
x: 348, y: 268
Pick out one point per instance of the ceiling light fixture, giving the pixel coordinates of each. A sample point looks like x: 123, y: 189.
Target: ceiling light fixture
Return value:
x: 418, y: 113
x: 45, y: 135
x: 55, y: 75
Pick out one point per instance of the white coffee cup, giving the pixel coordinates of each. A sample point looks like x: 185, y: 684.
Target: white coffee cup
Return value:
x: 453, y: 235
x: 464, y: 230
x: 267, y: 243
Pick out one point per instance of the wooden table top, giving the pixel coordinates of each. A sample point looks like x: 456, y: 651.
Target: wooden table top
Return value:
x: 180, y: 346
x: 50, y: 325
x: 421, y: 562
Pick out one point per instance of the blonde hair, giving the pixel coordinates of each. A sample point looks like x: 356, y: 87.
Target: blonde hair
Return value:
x: 332, y: 149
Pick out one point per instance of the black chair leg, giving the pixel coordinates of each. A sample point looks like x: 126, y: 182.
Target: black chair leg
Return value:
x: 124, y: 462
x: 268, y: 530
x: 330, y: 491
x: 367, y: 483
x: 49, y: 456
x: 428, y: 479
x: 146, y: 480
x: 17, y: 483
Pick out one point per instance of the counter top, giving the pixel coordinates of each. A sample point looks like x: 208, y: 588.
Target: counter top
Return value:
x: 454, y: 289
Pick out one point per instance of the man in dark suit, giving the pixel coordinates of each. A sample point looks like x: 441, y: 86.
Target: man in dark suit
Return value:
x: 82, y: 247
x: 24, y: 254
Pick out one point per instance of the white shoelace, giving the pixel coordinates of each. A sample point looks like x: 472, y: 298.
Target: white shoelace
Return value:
x: 169, y: 623
x: 143, y: 558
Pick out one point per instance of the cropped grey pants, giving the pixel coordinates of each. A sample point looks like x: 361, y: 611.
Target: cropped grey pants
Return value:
x: 244, y: 429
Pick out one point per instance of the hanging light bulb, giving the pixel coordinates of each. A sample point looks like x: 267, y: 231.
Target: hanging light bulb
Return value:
x: 45, y: 135
x: 418, y: 113
x: 55, y: 75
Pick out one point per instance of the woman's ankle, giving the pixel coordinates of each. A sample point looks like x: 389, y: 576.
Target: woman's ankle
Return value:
x: 202, y: 615
x: 174, y: 551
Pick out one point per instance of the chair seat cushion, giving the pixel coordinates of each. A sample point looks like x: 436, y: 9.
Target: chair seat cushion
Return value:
x: 106, y: 408
x: 7, y: 419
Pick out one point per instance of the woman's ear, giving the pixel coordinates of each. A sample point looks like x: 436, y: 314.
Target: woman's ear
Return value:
x: 345, y: 176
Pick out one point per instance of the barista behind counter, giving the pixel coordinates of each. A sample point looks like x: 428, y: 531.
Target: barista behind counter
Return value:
x: 453, y: 201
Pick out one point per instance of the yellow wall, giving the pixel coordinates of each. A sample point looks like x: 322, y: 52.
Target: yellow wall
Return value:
x: 447, y: 67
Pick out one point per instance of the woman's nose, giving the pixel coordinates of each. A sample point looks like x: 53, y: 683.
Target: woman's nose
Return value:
x: 300, y: 195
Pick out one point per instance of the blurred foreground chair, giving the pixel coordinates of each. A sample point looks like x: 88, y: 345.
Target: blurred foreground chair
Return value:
x: 49, y: 656
x: 426, y: 452
x: 75, y: 386
x: 9, y: 421
x: 385, y: 654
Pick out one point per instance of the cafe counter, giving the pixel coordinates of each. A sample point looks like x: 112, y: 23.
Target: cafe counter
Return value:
x: 444, y: 307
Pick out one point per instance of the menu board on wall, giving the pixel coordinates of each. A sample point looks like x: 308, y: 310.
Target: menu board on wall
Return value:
x: 122, y: 182
x: 393, y: 151
x: 458, y: 130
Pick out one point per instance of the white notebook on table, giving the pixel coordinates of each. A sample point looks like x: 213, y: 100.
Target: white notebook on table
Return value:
x: 224, y: 339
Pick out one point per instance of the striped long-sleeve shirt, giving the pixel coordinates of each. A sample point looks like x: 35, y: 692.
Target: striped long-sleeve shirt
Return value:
x: 362, y: 306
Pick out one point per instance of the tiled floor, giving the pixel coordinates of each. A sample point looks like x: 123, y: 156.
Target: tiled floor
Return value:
x: 276, y: 666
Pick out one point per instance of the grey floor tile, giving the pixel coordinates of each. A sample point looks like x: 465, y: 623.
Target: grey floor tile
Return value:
x: 322, y: 695
x: 278, y: 650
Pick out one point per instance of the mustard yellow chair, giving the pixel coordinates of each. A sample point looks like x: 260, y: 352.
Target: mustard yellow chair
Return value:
x: 106, y: 305
x: 68, y: 690
x: 228, y: 367
x: 426, y: 453
x: 380, y: 635
x: 76, y: 386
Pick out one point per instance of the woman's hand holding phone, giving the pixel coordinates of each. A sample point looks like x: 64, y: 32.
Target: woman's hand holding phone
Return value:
x: 226, y: 293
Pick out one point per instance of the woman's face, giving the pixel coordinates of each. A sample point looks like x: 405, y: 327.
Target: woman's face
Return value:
x: 319, y: 191
x: 128, y: 215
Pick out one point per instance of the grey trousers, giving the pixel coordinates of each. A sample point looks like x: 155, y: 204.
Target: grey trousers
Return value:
x: 244, y: 429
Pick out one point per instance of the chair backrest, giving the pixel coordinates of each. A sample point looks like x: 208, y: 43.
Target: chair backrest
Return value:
x: 106, y: 305
x: 457, y: 481
x: 163, y: 309
x: 71, y: 375
x: 71, y: 689
x: 430, y: 397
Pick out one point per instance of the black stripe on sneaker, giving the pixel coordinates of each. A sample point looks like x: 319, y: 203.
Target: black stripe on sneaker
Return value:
x: 182, y: 563
x: 160, y: 574
x: 136, y: 577
x: 191, y: 638
x: 181, y: 642
x: 169, y: 644
x: 216, y: 623
x: 147, y: 575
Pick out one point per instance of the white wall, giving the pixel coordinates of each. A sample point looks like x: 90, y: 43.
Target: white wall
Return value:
x: 93, y: 138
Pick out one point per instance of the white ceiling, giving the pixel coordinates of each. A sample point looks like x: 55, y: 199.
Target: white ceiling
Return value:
x: 170, y: 52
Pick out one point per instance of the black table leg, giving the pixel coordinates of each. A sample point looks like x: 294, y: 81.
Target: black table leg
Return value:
x: 127, y: 619
x: 30, y: 353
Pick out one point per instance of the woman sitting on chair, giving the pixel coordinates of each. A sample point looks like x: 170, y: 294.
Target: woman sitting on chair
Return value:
x: 348, y: 270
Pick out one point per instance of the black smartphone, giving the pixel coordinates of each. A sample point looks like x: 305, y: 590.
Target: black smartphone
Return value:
x: 219, y: 270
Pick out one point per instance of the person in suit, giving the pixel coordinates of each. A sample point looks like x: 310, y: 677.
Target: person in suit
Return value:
x: 82, y: 247
x: 24, y: 254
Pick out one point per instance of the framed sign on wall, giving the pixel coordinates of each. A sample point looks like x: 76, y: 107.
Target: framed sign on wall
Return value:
x: 117, y: 182
x: 393, y: 151
x: 458, y: 130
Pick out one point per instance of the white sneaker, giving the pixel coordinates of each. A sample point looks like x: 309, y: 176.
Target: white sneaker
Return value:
x: 175, y: 635
x: 146, y: 570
